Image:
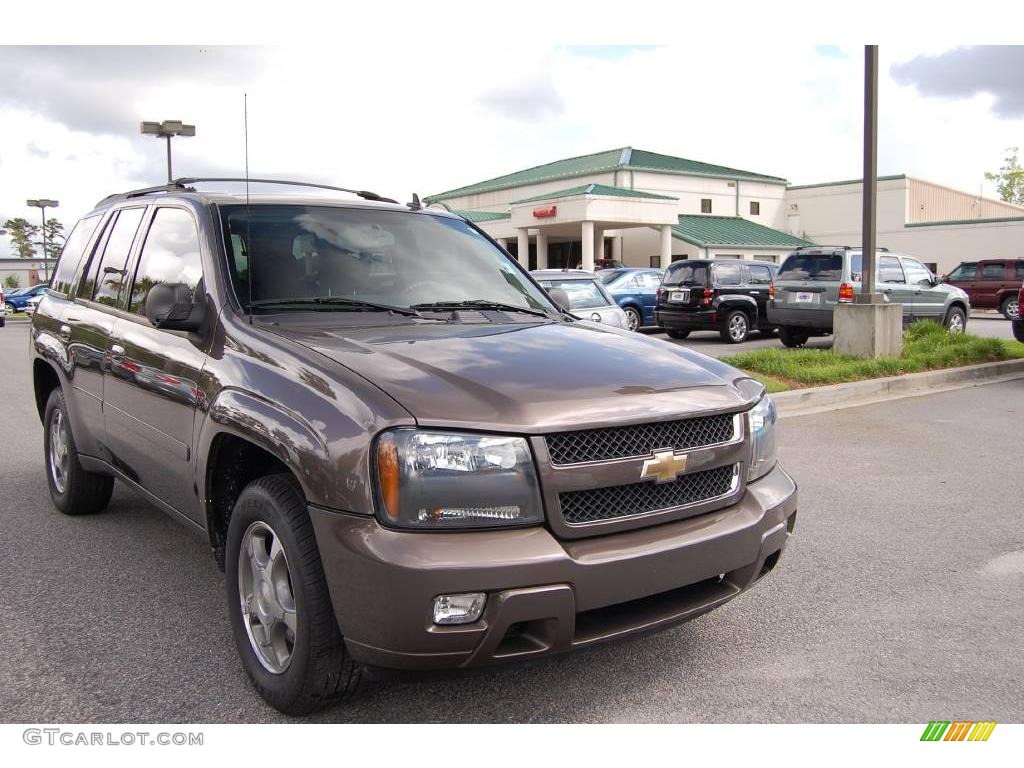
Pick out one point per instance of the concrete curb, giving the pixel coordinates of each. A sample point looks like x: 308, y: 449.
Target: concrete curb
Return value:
x: 800, y: 402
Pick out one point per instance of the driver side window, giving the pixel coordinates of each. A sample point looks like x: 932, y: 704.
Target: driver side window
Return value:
x: 170, y: 254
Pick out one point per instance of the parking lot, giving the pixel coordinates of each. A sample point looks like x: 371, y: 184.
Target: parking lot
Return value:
x: 897, y: 600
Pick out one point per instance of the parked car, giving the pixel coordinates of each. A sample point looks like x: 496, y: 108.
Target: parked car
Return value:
x: 31, y: 304
x: 636, y: 291
x: 401, y: 451
x: 15, y: 302
x: 602, y: 264
x: 813, y: 280
x: 3, y: 310
x: 1018, y: 321
x: 586, y: 296
x: 990, y: 283
x: 725, y: 295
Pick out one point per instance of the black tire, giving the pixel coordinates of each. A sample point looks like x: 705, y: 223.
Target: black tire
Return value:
x: 84, y: 492
x: 1010, y: 307
x: 793, y: 337
x: 320, y: 672
x: 955, y: 320
x: 633, y: 318
x: 1018, y: 329
x: 11, y: 309
x: 676, y: 334
x: 735, y: 327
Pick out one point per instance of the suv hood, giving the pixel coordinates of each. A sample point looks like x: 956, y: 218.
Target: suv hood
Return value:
x: 527, y: 378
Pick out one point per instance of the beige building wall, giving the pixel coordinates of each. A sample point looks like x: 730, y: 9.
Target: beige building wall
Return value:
x: 934, y: 202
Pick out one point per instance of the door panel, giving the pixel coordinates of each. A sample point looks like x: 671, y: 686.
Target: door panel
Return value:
x: 893, y: 286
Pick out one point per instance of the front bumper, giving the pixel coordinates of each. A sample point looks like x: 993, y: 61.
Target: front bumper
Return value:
x: 545, y: 595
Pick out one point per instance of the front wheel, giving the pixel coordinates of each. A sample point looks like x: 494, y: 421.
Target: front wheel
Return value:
x: 793, y: 337
x: 735, y: 327
x: 281, y: 613
x: 675, y: 334
x: 956, y: 320
x: 73, y: 490
x: 1010, y: 307
x: 11, y: 309
x: 633, y: 318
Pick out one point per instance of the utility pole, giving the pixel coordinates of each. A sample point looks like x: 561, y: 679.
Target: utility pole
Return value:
x: 868, y: 238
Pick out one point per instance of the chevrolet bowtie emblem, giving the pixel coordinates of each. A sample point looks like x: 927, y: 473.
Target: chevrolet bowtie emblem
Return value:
x: 664, y: 467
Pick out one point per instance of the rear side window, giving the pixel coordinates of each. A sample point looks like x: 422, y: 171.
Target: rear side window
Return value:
x: 169, y: 255
x: 728, y: 274
x: 996, y: 271
x: 813, y: 266
x: 72, y: 253
x: 760, y: 275
x: 682, y: 273
x: 107, y: 276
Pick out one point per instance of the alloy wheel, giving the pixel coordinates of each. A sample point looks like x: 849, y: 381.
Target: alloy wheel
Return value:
x: 956, y: 323
x: 738, y: 326
x: 632, y: 319
x: 59, y: 453
x: 267, y: 597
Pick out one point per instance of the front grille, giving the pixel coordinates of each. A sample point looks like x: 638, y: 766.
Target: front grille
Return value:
x: 639, y: 439
x: 597, y: 504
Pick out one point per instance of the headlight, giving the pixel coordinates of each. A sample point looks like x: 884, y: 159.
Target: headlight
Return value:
x: 761, y: 421
x: 444, y: 480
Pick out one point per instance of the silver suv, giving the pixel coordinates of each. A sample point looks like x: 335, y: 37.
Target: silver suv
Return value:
x: 812, y: 281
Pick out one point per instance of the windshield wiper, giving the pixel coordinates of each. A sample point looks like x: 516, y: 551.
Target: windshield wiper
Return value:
x: 337, y: 302
x: 480, y: 304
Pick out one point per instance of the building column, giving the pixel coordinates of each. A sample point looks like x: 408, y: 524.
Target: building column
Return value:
x: 666, y: 245
x: 542, y: 251
x: 523, y: 254
x: 598, y: 244
x: 617, y: 248
x: 588, y: 246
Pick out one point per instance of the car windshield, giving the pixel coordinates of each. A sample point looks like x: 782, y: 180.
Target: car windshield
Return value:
x: 331, y: 257
x: 687, y: 274
x: 583, y: 294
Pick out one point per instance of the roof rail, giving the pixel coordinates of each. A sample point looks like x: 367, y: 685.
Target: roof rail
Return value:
x: 184, y: 185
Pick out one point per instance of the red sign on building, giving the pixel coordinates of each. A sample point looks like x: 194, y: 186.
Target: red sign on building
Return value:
x: 545, y: 213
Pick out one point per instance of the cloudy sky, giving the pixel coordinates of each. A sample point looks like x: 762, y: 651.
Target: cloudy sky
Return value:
x: 427, y: 120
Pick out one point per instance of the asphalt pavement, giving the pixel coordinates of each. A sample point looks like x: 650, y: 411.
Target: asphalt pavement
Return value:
x: 898, y: 599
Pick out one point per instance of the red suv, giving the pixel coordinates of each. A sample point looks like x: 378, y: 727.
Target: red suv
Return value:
x: 991, y: 283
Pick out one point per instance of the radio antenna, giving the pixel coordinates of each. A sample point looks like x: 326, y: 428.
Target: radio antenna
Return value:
x: 248, y: 228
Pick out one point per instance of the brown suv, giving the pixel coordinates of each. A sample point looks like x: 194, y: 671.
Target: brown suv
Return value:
x: 990, y: 283
x: 402, y: 452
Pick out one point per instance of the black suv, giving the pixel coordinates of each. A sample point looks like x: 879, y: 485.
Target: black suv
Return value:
x: 727, y: 296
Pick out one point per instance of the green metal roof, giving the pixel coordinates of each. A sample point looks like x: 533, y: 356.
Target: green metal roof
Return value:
x: 715, y: 231
x: 599, y: 162
x: 595, y: 189
x: 478, y: 216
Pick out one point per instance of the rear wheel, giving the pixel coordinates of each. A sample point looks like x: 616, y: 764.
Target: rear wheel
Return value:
x: 73, y: 490
x: 956, y: 320
x: 633, y: 318
x: 281, y: 613
x: 793, y: 337
x: 735, y: 327
x: 675, y: 334
x: 1010, y: 307
x: 11, y: 309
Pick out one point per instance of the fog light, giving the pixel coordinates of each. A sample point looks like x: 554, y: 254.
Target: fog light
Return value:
x: 459, y: 609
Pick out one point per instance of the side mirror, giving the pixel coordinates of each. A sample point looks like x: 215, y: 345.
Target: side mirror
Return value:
x: 169, y: 306
x: 560, y: 297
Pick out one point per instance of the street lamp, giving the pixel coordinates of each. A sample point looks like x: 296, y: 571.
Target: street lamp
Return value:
x: 43, y: 204
x: 166, y: 130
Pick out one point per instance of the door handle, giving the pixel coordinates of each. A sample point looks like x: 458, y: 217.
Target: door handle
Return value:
x: 65, y: 332
x: 117, y: 352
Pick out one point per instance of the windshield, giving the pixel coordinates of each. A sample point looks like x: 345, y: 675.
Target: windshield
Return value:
x: 687, y: 274
x: 384, y: 257
x: 583, y: 294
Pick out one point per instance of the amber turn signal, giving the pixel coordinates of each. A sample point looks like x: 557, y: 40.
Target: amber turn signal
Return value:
x: 387, y: 473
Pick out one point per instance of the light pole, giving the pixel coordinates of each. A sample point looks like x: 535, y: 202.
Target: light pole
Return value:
x: 43, y: 205
x: 166, y: 130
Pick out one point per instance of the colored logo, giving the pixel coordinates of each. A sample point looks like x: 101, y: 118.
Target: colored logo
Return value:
x: 958, y: 730
x: 664, y: 467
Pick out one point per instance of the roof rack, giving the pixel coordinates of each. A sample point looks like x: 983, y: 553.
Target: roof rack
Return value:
x: 184, y: 185
x: 839, y: 247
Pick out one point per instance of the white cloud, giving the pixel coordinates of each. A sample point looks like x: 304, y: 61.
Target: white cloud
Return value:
x: 423, y: 120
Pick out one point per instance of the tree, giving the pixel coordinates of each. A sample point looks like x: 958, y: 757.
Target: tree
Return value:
x: 1010, y: 179
x: 11, y: 282
x: 21, y: 234
x: 54, y: 238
